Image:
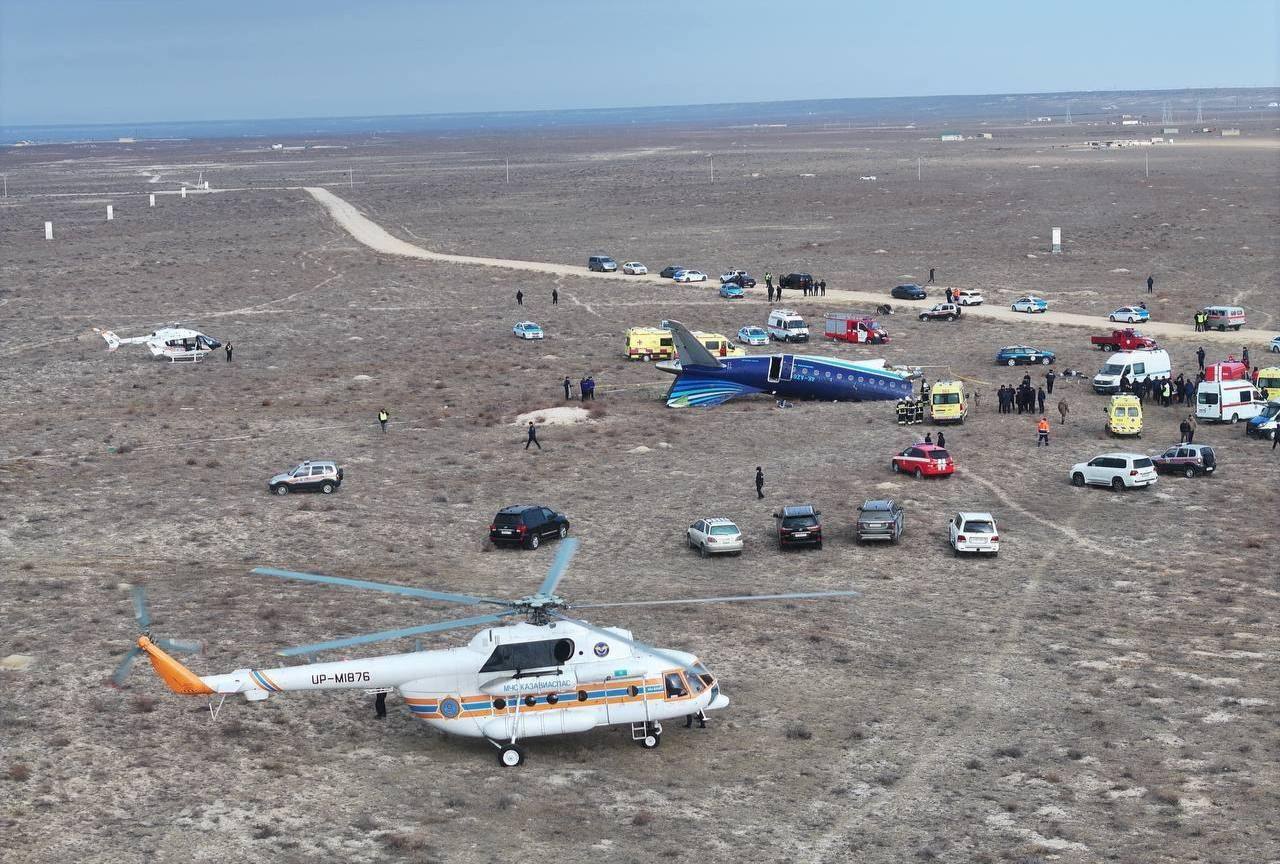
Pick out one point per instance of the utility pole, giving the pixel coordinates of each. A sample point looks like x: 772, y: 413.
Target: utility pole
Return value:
x: 712, y: 158
x: 6, y: 184
x: 351, y: 180
x: 917, y: 167
x: 1148, y: 161
x: 507, y: 160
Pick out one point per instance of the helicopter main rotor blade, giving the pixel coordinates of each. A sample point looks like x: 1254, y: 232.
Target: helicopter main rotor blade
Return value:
x: 396, y: 634
x: 140, y: 609
x: 122, y: 671
x: 639, y: 646
x: 564, y: 555
x: 813, y: 595
x: 464, y: 599
x: 182, y: 646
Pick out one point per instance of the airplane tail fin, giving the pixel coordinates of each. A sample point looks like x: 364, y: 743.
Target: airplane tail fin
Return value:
x: 691, y: 351
x: 177, y: 677
x: 113, y: 341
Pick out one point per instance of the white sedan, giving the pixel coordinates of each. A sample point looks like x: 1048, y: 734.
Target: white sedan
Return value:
x: 527, y: 330
x: 753, y: 335
x: 1130, y: 315
x: 634, y: 268
x: 974, y: 532
x: 969, y: 297
x: 690, y: 276
x: 714, y: 536
x: 1275, y: 345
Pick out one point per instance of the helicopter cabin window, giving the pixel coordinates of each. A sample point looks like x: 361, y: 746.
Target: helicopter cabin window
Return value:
x: 675, y: 686
x: 520, y: 656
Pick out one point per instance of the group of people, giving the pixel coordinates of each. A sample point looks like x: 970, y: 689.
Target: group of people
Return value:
x: 910, y: 411
x: 586, y: 389
x: 813, y: 289
x: 1164, y: 391
x: 1024, y: 398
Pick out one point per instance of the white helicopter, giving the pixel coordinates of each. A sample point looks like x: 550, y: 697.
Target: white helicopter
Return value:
x: 549, y: 675
x: 174, y: 343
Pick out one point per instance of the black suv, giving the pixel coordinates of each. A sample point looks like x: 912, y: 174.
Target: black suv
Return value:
x: 796, y: 280
x: 528, y: 525
x: 798, y: 526
x: 670, y: 272
x: 910, y: 291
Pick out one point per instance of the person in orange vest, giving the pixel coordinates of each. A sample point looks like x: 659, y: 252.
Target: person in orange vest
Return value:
x: 1042, y: 428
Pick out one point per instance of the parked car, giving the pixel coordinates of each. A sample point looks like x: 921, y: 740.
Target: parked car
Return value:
x: 974, y: 532
x: 713, y: 536
x: 309, y: 476
x: 910, y: 291
x: 1023, y: 355
x: 527, y: 330
x: 753, y: 335
x: 968, y: 297
x: 798, y: 526
x: 1187, y: 460
x: 879, y: 519
x: 731, y: 291
x: 528, y: 525
x: 1130, y: 315
x: 670, y: 272
x: 1224, y: 317
x: 786, y: 325
x: 690, y: 276
x: 602, y: 264
x: 923, y: 460
x: 1030, y: 304
x: 738, y: 277
x: 941, y: 312
x: 634, y: 268
x: 1118, y: 470
x: 796, y: 280
x: 1275, y: 345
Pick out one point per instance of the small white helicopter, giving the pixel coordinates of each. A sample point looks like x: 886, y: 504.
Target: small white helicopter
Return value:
x: 550, y: 675
x: 174, y: 343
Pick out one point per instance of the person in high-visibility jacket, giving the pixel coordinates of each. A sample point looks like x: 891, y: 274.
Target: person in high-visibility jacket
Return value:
x: 902, y: 412
x: 1042, y: 428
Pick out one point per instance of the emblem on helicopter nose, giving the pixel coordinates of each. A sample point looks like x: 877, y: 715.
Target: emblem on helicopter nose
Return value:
x: 602, y: 649
x: 450, y: 708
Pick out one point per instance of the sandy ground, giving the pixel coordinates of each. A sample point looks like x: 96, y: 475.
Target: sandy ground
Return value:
x: 1104, y: 690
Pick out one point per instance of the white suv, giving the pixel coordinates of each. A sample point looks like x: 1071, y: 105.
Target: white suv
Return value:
x: 1118, y: 470
x: 714, y: 535
x: 974, y: 532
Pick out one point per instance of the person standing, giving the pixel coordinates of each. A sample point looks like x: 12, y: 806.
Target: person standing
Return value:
x: 533, y: 436
x: 228, y: 348
x: 1062, y: 409
x: 1042, y: 432
x: 582, y: 389
x: 769, y: 289
x: 931, y: 275
x: 568, y: 388
x: 768, y: 282
x: 1151, y: 281
x: 1191, y: 428
x: 591, y: 388
x: 1049, y: 378
x: 928, y: 437
x: 942, y: 440
x: 519, y: 297
x: 759, y: 482
x: 1040, y: 396
x: 1244, y: 356
x: 555, y: 297
x: 822, y: 286
x: 1200, y: 357
x: 383, y: 417
x: 1184, y: 431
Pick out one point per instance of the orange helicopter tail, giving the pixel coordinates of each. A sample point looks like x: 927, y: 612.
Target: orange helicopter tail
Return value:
x: 177, y: 677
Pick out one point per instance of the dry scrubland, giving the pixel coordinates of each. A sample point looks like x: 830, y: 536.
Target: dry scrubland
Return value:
x: 1105, y: 690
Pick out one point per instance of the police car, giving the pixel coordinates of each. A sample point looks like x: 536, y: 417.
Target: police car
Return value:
x: 310, y: 476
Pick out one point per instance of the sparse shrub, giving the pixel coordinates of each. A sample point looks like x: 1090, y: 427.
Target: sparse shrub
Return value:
x: 264, y: 831
x: 266, y: 403
x: 973, y: 764
x: 26, y: 565
x: 455, y: 803
x: 1166, y: 796
x: 797, y: 732
x: 642, y: 818
x: 405, y: 841
x: 365, y: 822
x: 1010, y: 751
x: 212, y: 463
x: 505, y: 802
x: 143, y: 704
x: 19, y: 772
x: 59, y: 741
x: 887, y: 778
x: 122, y: 449
x: 191, y: 460
x: 1074, y: 755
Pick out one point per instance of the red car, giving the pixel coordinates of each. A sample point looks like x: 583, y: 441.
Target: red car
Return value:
x: 924, y: 460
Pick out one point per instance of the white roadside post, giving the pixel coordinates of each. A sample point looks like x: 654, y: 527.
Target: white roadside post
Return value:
x: 111, y: 213
x: 184, y: 191
x: 153, y: 199
x: 1057, y: 240
x: 48, y: 230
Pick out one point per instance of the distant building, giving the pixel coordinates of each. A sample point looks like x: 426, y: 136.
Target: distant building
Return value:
x: 1131, y: 122
x: 1170, y: 130
x: 985, y: 135
x: 951, y: 136
x: 126, y: 140
x: 1230, y: 133
x: 1044, y: 119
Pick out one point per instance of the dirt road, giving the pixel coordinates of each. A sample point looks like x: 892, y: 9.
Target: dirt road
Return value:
x: 374, y: 236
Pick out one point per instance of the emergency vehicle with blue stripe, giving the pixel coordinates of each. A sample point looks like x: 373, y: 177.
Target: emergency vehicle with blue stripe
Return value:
x: 550, y: 674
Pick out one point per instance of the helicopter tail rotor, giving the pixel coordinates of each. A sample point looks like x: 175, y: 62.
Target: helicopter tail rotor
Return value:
x: 142, y: 615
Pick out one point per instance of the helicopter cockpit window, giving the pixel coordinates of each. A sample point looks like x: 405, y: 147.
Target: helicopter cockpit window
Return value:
x: 695, y: 683
x: 523, y: 656
x: 675, y: 686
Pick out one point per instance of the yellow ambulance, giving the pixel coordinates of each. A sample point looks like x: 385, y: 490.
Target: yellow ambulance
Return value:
x: 1269, y: 382
x: 719, y: 345
x: 649, y: 343
x: 1124, y: 415
x: 947, y: 403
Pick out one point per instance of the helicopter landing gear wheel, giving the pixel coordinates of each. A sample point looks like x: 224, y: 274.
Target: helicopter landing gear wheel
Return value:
x: 650, y: 741
x: 510, y: 756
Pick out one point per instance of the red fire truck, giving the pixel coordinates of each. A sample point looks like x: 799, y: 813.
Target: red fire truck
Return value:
x: 851, y: 327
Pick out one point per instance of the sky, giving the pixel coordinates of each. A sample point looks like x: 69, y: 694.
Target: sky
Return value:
x: 101, y: 61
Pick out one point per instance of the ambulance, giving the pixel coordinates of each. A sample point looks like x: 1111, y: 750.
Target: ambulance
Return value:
x: 947, y: 403
x: 649, y: 343
x: 1269, y: 382
x: 1228, y: 401
x: 1124, y: 415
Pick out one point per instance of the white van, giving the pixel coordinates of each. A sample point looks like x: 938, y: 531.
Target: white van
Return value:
x: 1224, y: 317
x: 1137, y: 365
x: 786, y: 325
x: 1228, y: 401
